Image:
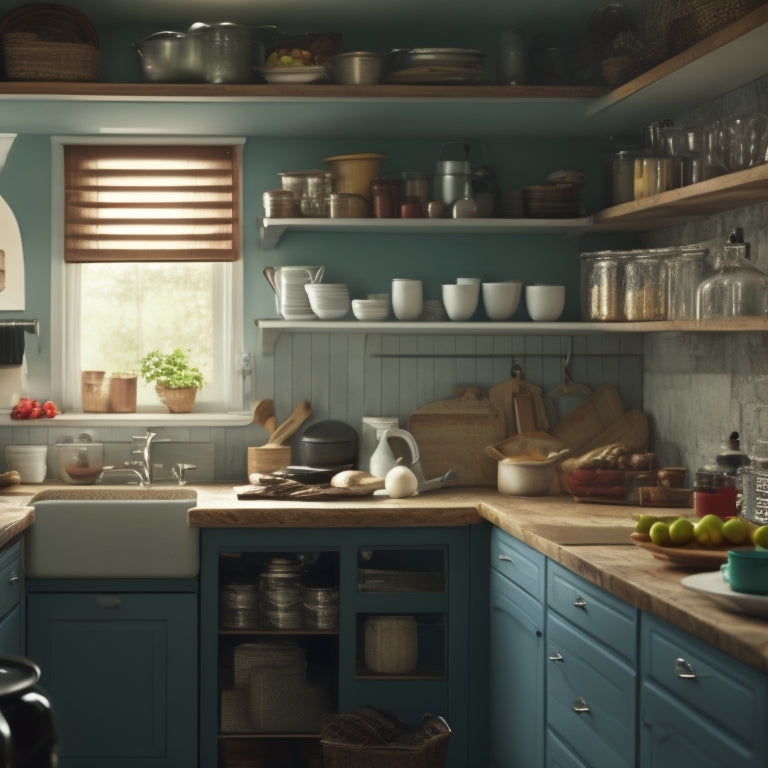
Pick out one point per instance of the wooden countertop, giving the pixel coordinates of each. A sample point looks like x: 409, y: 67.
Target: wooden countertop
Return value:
x: 591, y: 540
x: 14, y: 519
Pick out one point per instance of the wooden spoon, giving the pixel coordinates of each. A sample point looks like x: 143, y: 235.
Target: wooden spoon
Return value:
x: 295, y: 419
x: 264, y: 414
x: 494, y: 453
x: 357, y: 480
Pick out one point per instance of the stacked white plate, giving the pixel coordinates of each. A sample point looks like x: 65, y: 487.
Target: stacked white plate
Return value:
x: 370, y: 309
x: 329, y: 301
x: 294, y: 303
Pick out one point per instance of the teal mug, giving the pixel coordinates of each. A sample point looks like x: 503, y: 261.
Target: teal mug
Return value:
x: 747, y: 571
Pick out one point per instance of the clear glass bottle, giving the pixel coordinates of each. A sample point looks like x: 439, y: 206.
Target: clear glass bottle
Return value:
x: 737, y: 287
x: 753, y: 478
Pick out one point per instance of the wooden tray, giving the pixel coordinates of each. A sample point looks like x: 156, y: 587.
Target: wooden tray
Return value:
x: 692, y: 556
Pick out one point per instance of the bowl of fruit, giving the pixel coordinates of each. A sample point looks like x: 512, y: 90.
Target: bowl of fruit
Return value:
x: 300, y: 58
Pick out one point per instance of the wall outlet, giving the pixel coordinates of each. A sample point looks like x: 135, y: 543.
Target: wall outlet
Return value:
x: 243, y: 361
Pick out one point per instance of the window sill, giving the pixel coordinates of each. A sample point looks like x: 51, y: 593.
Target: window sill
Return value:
x: 144, y: 419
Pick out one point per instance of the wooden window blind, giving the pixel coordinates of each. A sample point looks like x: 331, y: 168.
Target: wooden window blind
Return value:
x: 151, y: 203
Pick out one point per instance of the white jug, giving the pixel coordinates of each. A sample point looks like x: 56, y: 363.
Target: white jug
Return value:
x: 402, y: 449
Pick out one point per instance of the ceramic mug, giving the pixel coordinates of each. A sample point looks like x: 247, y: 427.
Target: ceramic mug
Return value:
x: 407, y: 298
x: 501, y: 299
x: 747, y: 571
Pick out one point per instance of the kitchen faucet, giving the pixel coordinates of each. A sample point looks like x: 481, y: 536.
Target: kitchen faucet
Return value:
x: 141, y: 445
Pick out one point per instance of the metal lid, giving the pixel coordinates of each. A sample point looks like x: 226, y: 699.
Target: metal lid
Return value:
x: 453, y: 166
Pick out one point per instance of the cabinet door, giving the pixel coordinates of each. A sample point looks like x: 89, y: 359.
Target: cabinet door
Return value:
x: 121, y: 671
x: 12, y: 633
x: 11, y: 590
x: 516, y: 676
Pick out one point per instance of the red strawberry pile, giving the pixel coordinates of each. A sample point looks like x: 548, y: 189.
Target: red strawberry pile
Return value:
x: 28, y: 408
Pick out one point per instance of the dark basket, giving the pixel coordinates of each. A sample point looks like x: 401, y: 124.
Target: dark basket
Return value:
x: 374, y: 738
x: 693, y: 20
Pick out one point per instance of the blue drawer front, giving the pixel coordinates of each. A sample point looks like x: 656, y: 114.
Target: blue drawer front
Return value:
x: 607, y: 618
x: 722, y: 689
x: 521, y: 564
x: 589, y: 673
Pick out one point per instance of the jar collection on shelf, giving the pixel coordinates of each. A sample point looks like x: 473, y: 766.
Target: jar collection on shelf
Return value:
x: 677, y: 283
x: 670, y: 157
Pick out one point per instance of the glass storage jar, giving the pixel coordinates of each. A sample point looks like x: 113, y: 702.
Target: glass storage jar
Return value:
x: 602, y: 285
x: 685, y: 268
x: 645, y: 281
x: 753, y: 478
x: 737, y: 288
x: 280, y: 594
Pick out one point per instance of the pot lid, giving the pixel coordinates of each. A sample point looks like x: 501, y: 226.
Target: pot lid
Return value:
x: 329, y: 432
x: 17, y: 674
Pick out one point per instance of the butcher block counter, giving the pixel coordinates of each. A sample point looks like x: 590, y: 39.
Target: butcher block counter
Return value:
x: 591, y: 540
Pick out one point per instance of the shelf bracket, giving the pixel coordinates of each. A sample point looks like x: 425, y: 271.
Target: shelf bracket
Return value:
x: 270, y: 234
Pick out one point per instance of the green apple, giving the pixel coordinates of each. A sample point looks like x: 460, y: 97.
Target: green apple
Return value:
x: 681, y: 532
x: 659, y: 533
x: 760, y: 537
x: 736, y: 530
x: 644, y: 522
x: 708, y: 531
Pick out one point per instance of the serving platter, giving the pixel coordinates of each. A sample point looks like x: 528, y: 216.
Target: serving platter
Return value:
x: 717, y: 589
x: 690, y: 556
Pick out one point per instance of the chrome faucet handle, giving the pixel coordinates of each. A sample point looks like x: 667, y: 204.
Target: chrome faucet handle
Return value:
x: 179, y: 470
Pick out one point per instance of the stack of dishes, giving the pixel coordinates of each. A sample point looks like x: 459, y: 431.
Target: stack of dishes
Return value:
x: 294, y: 303
x: 371, y: 309
x: 552, y: 200
x: 329, y: 301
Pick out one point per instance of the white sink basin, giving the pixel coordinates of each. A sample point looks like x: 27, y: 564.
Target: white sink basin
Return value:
x: 106, y: 533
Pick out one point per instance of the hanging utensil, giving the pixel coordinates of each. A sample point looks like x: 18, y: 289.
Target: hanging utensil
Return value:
x: 568, y: 394
x: 540, y: 418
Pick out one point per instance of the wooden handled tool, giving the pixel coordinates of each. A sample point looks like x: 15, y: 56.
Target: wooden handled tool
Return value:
x: 295, y: 419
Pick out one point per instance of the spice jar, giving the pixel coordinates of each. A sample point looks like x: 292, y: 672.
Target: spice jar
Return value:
x: 385, y: 198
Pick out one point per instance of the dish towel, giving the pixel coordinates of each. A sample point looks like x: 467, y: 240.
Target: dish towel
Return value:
x: 11, y: 345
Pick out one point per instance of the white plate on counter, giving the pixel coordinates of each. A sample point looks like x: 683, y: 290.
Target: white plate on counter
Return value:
x: 295, y: 75
x: 713, y: 585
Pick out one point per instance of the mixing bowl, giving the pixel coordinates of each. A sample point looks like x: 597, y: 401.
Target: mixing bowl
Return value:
x: 354, y: 173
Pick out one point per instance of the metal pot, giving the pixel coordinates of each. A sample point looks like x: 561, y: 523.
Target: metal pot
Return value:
x: 327, y: 444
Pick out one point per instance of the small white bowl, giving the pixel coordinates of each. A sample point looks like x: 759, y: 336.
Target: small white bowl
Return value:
x: 501, y: 300
x: 545, y: 303
x: 460, y: 300
x: 370, y: 309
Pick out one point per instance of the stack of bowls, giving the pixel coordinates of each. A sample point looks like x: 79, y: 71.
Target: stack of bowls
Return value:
x: 329, y: 301
x: 371, y: 309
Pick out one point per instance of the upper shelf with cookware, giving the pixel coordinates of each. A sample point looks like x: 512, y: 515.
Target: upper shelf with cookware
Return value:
x: 727, y: 59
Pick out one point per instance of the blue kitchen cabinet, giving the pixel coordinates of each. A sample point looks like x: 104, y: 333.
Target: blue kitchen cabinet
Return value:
x: 592, y: 656
x: 430, y: 574
x: 516, y: 684
x: 11, y: 591
x: 119, y: 661
x: 698, y: 706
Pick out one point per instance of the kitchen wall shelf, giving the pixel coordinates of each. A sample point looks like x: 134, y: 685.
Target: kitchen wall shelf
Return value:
x: 722, y: 62
x: 723, y: 193
x: 272, y: 230
x: 272, y: 329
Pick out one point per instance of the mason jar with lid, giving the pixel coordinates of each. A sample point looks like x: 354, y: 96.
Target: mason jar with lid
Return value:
x: 280, y: 594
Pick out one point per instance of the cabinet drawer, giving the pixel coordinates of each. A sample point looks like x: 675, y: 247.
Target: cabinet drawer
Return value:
x: 591, y: 701
x: 710, y: 682
x: 607, y: 618
x: 520, y: 563
x: 10, y: 578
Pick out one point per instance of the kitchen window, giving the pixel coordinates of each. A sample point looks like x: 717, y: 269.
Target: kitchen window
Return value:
x: 147, y: 252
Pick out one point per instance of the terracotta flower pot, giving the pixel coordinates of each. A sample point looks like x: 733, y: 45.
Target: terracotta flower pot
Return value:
x: 180, y: 400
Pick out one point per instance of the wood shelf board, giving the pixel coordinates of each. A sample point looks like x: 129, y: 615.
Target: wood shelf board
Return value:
x: 727, y: 59
x: 723, y: 193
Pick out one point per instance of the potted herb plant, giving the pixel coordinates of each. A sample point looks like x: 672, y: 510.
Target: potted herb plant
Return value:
x: 176, y: 379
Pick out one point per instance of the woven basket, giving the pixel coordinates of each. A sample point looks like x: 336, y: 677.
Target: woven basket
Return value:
x: 693, y: 20
x: 48, y: 42
x: 180, y: 400
x: 423, y: 747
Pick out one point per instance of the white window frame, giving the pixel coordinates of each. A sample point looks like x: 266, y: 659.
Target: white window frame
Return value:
x: 65, y: 283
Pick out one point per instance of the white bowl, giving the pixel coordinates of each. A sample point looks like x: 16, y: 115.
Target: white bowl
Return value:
x: 545, y: 303
x: 460, y: 300
x: 501, y: 300
x: 370, y: 309
x: 525, y: 478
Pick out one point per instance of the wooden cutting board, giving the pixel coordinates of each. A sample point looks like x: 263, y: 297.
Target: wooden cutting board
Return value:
x: 589, y: 419
x: 630, y: 429
x: 452, y: 434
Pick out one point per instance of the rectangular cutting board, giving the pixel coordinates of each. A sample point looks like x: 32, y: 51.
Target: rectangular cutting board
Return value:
x: 453, y: 434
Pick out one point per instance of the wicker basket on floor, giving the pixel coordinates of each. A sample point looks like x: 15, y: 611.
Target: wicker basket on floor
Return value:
x: 47, y: 42
x: 375, y: 738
